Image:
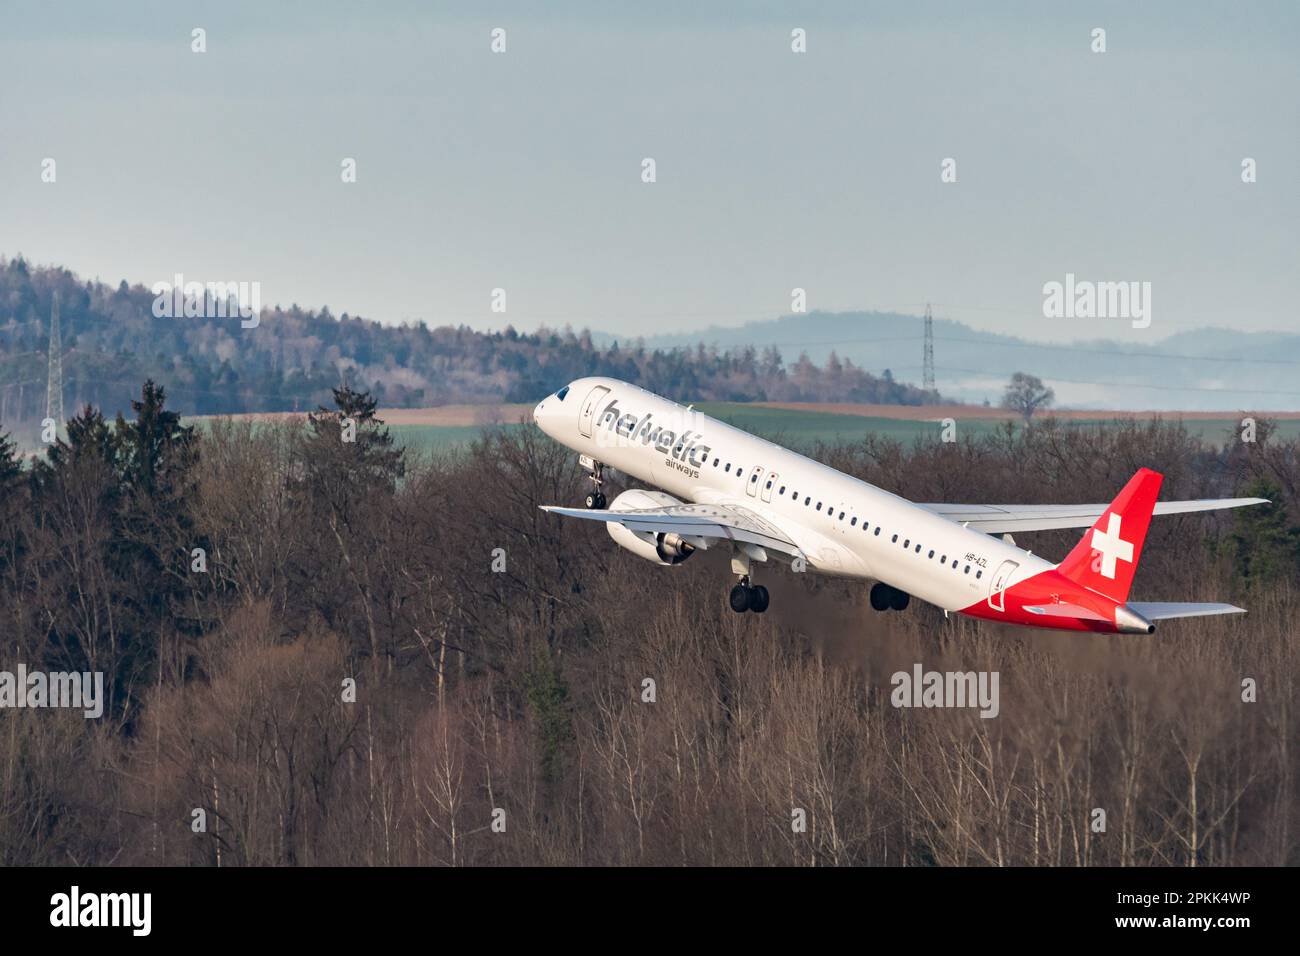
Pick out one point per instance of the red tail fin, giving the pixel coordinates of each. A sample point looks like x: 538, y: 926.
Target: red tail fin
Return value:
x: 1104, y: 561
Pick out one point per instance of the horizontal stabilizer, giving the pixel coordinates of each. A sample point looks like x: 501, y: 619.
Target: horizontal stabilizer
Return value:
x: 1164, y: 610
x: 1075, y: 611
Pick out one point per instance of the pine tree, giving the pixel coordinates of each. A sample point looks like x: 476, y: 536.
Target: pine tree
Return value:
x: 157, y: 451
x: 349, y: 443
x: 14, y: 497
x: 346, y: 476
x: 11, y: 467
x: 1264, y: 543
x: 548, y: 695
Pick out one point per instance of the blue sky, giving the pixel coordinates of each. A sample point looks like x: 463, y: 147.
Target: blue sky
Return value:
x: 775, y: 170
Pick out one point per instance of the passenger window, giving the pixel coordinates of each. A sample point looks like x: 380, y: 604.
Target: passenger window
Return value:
x: 715, y: 463
x: 907, y: 542
x: 943, y: 559
x: 877, y: 531
x: 841, y: 515
x: 967, y: 571
x: 854, y: 522
x: 930, y: 555
x: 979, y: 574
x: 894, y: 539
x: 728, y: 469
x: 782, y: 491
x: 819, y: 506
x: 954, y: 563
x: 807, y: 501
x: 754, y: 478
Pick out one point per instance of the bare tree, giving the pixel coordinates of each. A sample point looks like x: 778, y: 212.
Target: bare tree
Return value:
x: 515, y: 692
x: 1026, y: 394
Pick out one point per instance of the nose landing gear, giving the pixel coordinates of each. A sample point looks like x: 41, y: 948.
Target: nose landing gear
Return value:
x: 596, y: 474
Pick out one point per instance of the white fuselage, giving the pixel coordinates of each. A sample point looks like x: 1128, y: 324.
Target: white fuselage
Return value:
x: 843, y: 526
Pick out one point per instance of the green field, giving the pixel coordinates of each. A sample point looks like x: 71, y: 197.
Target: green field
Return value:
x: 429, y: 439
x: 800, y: 428
x: 809, y: 426
x: 789, y: 427
x: 797, y: 427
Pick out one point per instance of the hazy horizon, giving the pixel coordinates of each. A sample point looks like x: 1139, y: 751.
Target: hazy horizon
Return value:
x: 1207, y: 368
x: 775, y: 170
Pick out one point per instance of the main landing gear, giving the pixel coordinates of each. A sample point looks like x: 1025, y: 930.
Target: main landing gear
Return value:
x: 596, y: 474
x: 748, y: 597
x: 885, y: 598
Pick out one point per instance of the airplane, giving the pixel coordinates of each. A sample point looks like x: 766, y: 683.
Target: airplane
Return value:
x: 725, y: 488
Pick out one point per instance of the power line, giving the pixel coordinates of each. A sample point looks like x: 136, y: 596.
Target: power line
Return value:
x: 1115, y: 353
x: 173, y: 389
x: 1119, y: 354
x: 927, y: 352
x: 1030, y: 345
x: 55, y: 365
x: 895, y: 338
x: 1161, y: 388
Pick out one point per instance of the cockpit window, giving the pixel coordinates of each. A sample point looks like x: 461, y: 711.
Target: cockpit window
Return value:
x: 562, y: 392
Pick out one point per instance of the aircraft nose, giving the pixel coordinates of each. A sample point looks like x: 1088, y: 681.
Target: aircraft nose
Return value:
x: 537, y: 412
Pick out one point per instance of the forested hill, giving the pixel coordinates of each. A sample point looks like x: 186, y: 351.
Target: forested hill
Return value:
x: 112, y: 342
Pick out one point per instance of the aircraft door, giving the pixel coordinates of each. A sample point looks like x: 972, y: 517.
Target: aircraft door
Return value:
x: 998, y: 584
x: 768, y: 484
x: 588, y: 411
x: 751, y: 484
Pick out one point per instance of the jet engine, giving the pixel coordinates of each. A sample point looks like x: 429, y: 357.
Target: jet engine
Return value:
x: 662, y: 548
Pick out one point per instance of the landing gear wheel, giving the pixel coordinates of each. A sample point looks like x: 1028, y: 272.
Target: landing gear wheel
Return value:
x: 880, y: 597
x: 899, y: 599
x: 758, y: 599
x: 740, y: 598
x: 596, y: 475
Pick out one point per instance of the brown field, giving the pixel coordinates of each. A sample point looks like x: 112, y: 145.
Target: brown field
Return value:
x: 918, y: 413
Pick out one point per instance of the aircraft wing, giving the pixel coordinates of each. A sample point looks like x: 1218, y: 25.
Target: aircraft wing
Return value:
x: 730, y: 522
x: 999, y: 519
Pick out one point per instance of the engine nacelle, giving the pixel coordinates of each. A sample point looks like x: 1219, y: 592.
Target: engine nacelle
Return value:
x: 665, y: 549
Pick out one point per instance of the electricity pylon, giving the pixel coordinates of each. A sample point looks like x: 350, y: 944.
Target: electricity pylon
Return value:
x: 54, y: 385
x: 927, y: 360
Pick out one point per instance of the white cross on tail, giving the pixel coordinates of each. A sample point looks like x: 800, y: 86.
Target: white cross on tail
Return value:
x: 1111, y: 546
